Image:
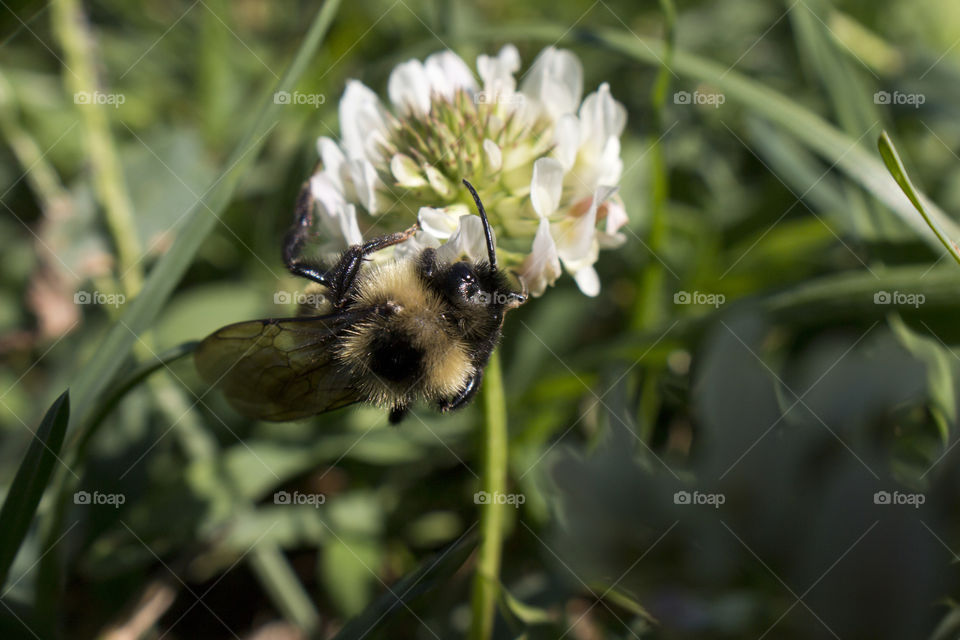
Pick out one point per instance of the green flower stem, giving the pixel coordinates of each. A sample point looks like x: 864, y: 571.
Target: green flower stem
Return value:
x: 70, y: 27
x: 493, y: 481
x: 649, y: 311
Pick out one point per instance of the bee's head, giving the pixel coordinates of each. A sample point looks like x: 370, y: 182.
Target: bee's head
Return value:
x: 468, y: 284
x: 481, y: 283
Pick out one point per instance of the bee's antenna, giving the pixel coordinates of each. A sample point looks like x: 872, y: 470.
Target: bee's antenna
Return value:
x: 488, y: 232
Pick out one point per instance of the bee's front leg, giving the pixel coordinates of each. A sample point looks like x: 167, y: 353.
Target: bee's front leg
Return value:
x: 297, y: 236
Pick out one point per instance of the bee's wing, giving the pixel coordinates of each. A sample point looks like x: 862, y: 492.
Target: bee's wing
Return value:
x: 278, y: 369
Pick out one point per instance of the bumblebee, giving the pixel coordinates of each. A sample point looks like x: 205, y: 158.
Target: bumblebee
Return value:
x: 409, y: 330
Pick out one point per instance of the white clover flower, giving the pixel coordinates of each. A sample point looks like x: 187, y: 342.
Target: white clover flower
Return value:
x: 546, y: 165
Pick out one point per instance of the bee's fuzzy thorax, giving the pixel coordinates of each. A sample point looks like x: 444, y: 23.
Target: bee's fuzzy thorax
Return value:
x: 432, y: 362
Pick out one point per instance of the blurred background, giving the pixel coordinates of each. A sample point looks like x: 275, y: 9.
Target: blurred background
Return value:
x: 749, y: 433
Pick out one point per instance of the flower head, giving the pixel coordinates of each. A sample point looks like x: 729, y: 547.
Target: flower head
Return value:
x: 546, y: 165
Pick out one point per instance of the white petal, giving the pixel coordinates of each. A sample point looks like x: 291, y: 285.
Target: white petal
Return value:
x: 412, y: 247
x: 602, y: 116
x: 447, y: 72
x: 497, y: 73
x: 493, y: 155
x: 325, y: 191
x: 575, y: 237
x: 406, y: 172
x: 330, y: 154
x: 362, y: 121
x: 556, y: 81
x: 616, y: 216
x: 468, y: 241
x: 542, y: 266
x: 609, y: 165
x: 441, y: 223
x: 567, y: 140
x: 365, y: 183
x: 409, y: 88
x: 336, y: 219
x: 348, y: 225
x: 546, y: 186
x: 588, y: 281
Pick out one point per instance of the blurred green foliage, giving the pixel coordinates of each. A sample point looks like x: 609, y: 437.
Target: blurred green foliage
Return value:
x: 797, y: 398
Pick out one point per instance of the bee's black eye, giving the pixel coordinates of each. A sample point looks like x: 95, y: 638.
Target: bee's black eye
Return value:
x: 461, y: 281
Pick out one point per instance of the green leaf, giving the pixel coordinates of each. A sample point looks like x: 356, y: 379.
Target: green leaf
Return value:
x: 31, y: 480
x: 428, y: 576
x: 940, y: 364
x: 523, y: 614
x: 623, y: 599
x: 899, y: 173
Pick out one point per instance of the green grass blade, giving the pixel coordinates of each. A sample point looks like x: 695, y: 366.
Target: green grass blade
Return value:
x: 892, y: 159
x: 140, y: 373
x: 96, y: 377
x: 851, y: 102
x: 425, y: 578
x: 280, y: 582
x: 31, y: 480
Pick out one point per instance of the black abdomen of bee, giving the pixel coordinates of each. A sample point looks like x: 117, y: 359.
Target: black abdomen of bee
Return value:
x: 395, y: 360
